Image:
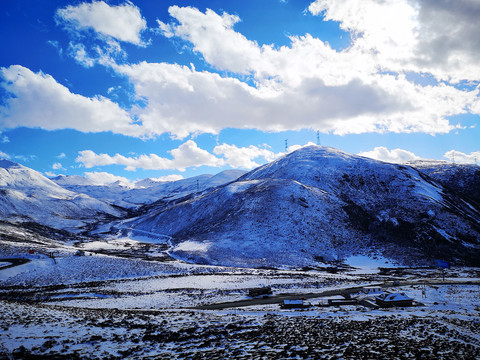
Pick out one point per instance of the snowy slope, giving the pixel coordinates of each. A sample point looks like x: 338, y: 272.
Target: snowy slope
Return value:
x: 27, y: 195
x: 71, y: 180
x: 461, y: 178
x: 145, y: 191
x: 319, y: 205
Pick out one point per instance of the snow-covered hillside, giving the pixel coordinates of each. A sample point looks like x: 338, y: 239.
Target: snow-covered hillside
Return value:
x: 461, y: 178
x: 145, y: 191
x: 319, y: 205
x: 28, y: 196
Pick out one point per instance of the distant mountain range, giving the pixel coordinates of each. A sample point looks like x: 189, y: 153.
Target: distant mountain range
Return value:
x: 312, y: 207
x: 28, y: 196
x: 145, y: 191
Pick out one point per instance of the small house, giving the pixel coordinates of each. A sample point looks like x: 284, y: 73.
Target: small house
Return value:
x: 265, y: 291
x: 372, y: 290
x: 295, y: 304
x: 387, y: 300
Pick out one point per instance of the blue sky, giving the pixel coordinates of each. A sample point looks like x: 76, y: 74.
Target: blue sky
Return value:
x: 170, y: 89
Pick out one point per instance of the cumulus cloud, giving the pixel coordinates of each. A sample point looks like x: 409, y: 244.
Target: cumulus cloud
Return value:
x: 427, y: 36
x: 243, y: 157
x: 57, y: 166
x: 209, y: 33
x: 305, y: 85
x: 181, y: 101
x: 186, y: 155
x: 462, y: 158
x: 123, y: 22
x: 37, y: 100
x: 397, y: 156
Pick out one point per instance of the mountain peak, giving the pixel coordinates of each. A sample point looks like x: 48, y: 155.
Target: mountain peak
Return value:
x: 7, y: 164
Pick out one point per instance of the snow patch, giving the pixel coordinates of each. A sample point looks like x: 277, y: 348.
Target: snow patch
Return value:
x: 367, y: 265
x: 192, y: 246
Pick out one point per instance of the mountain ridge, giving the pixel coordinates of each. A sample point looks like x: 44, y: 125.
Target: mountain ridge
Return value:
x: 320, y: 203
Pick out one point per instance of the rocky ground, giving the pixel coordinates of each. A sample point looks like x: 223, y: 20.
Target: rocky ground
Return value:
x: 40, y: 331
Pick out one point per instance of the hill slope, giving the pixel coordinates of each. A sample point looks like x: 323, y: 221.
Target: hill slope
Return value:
x: 28, y: 196
x: 318, y: 205
x: 461, y: 178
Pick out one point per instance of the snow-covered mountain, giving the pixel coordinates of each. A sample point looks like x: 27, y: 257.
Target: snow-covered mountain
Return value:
x: 28, y: 196
x: 319, y: 205
x: 461, y: 178
x: 145, y: 191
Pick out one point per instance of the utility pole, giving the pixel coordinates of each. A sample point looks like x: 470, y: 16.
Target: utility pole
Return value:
x: 318, y: 137
x: 286, y: 145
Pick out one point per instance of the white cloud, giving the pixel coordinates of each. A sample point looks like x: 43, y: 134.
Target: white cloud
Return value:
x: 243, y: 157
x: 4, y: 139
x: 185, y: 156
x: 25, y: 158
x: 79, y: 53
x: 168, y: 178
x: 181, y: 101
x: 56, y: 45
x: 4, y: 155
x: 462, y: 158
x: 50, y: 174
x: 123, y: 22
x: 38, y: 101
x: 61, y: 156
x: 428, y: 36
x: 213, y: 36
x: 103, y: 55
x: 57, y: 166
x: 104, y: 178
x: 397, y: 156
x: 305, y: 85
x: 295, y: 147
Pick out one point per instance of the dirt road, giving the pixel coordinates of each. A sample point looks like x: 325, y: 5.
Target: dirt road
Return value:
x: 278, y: 299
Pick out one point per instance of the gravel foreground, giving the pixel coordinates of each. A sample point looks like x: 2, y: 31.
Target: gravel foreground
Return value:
x: 41, y: 332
